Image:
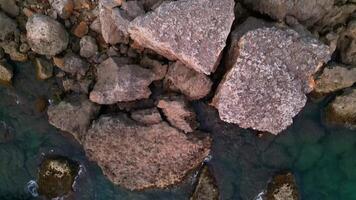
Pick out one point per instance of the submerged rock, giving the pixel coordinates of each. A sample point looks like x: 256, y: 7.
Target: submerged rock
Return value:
x: 147, y: 116
x: 161, y: 155
x: 45, y: 35
x: 178, y: 112
x: 193, y: 32
x: 342, y: 111
x: 6, y: 72
x: 271, y: 74
x: 56, y: 177
x: 121, y: 82
x: 282, y: 187
x: 44, y: 69
x: 192, y: 84
x: 206, y: 188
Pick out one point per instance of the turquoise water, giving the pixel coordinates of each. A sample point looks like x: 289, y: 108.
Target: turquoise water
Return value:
x: 323, y: 158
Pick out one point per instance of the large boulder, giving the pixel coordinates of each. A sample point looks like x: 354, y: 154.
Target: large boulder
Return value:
x: 161, y: 155
x: 45, y: 35
x: 193, y: 32
x: 271, y: 74
x: 121, y: 82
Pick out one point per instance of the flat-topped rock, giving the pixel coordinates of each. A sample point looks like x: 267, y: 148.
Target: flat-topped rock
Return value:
x: 161, y: 155
x: 267, y: 84
x: 193, y: 32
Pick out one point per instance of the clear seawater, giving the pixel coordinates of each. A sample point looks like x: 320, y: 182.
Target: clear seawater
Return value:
x: 323, y: 158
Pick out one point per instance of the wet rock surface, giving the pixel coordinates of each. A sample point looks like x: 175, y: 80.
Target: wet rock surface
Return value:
x: 206, y: 188
x: 161, y: 156
x: 196, y: 41
x: 282, y: 187
x: 266, y: 87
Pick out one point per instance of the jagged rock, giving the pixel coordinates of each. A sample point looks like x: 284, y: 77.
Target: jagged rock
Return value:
x: 307, y: 12
x: 10, y: 7
x: 44, y: 69
x: 187, y: 81
x: 88, y: 47
x: 121, y: 82
x: 45, y: 35
x: 64, y: 8
x: 342, y: 111
x: 335, y: 78
x: 206, y: 188
x: 73, y: 115
x: 73, y: 64
x: 178, y: 113
x: 157, y: 67
x: 282, y: 187
x: 161, y: 156
x: 6, y: 72
x: 147, y: 116
x: 8, y: 27
x: 193, y: 32
x: 266, y: 87
x: 56, y: 176
x: 347, y: 44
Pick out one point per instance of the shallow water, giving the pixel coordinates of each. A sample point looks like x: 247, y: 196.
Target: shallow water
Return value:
x: 323, y: 158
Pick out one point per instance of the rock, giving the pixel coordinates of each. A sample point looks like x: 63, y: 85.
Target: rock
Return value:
x: 81, y: 29
x: 178, y: 113
x: 24, y: 48
x: 73, y: 115
x: 45, y: 35
x: 121, y: 82
x: 206, y: 188
x: 64, y: 8
x: 193, y: 32
x: 96, y: 25
x: 6, y: 72
x: 44, y: 69
x: 10, y: 7
x: 342, y: 111
x: 88, y: 47
x: 56, y: 176
x: 114, y: 26
x: 335, y: 77
x: 161, y: 156
x: 8, y: 27
x: 11, y: 48
x: 282, y: 187
x: 151, y: 4
x: 305, y: 11
x: 192, y: 84
x: 147, y: 116
x: 133, y: 9
x: 109, y: 4
x: 266, y: 87
x: 347, y: 44
x: 78, y: 86
x: 157, y: 67
x: 73, y: 64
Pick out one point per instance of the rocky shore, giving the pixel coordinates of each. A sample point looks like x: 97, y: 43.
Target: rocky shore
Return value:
x: 130, y: 71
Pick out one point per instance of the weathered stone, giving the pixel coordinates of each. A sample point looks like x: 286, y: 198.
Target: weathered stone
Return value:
x: 133, y: 9
x: 347, y: 44
x: 44, y: 69
x: 10, y: 7
x: 147, y: 116
x: 6, y: 72
x: 193, y: 32
x: 335, y: 78
x: 151, y: 4
x: 266, y: 87
x: 178, y: 113
x: 78, y: 86
x: 96, y: 25
x: 81, y: 29
x: 73, y: 115
x: 282, y: 187
x: 45, y: 35
x: 64, y: 8
x: 189, y: 82
x: 56, y: 176
x: 342, y: 111
x: 114, y: 26
x: 88, y: 47
x: 109, y: 4
x: 157, y: 67
x: 73, y: 64
x: 206, y: 188
x: 11, y: 48
x: 8, y: 27
x: 161, y: 155
x: 121, y: 82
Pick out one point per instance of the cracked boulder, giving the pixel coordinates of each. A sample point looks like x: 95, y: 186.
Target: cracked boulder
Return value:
x: 193, y: 32
x: 270, y: 76
x: 162, y: 155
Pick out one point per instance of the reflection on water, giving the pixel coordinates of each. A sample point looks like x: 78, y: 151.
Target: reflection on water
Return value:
x: 323, y: 158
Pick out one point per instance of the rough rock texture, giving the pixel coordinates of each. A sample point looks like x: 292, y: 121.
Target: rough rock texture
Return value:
x: 335, y: 78
x: 193, y: 32
x: 282, y: 187
x: 187, y: 81
x: 73, y: 115
x: 88, y: 47
x: 64, y: 8
x: 347, y: 44
x: 73, y: 64
x: 306, y: 11
x: 8, y: 27
x: 157, y: 67
x: 44, y: 68
x: 342, y: 111
x: 161, y: 156
x: 147, y: 116
x: 6, y: 72
x: 45, y: 35
x: 206, y: 188
x: 178, y: 113
x: 121, y: 82
x: 11, y: 47
x: 10, y: 7
x: 266, y: 87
